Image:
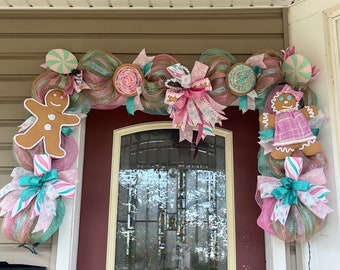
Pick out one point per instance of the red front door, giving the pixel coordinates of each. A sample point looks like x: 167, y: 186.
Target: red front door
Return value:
x: 250, y: 251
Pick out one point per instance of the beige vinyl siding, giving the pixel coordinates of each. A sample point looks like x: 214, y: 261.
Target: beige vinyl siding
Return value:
x: 26, y: 36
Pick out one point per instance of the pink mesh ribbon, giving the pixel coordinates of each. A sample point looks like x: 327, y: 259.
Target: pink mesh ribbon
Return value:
x: 189, y: 103
x: 309, y: 191
x: 38, y: 190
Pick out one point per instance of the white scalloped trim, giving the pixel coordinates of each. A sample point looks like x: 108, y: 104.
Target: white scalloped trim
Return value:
x: 310, y: 111
x: 265, y: 120
x: 307, y: 144
x: 273, y: 101
x: 284, y: 149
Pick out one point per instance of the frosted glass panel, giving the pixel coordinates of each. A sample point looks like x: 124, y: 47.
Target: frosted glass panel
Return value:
x: 172, y: 207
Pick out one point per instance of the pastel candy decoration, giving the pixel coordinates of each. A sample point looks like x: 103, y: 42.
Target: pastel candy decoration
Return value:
x: 293, y: 207
x: 298, y: 69
x: 42, y: 164
x: 61, y: 61
x: 127, y: 80
x: 241, y: 79
x: 32, y: 203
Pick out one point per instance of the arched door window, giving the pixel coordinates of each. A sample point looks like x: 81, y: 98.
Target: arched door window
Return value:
x: 169, y: 209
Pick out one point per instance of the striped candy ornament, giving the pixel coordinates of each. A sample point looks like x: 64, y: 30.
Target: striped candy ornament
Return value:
x: 298, y: 69
x: 42, y: 164
x: 293, y: 167
x: 61, y: 61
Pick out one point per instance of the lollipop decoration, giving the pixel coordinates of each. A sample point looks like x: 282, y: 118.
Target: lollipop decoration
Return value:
x: 241, y: 80
x: 298, y: 70
x: 127, y: 80
x: 61, y: 61
x: 65, y: 63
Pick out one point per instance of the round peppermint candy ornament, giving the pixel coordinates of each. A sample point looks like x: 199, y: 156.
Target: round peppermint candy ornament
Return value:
x: 298, y: 69
x: 61, y: 61
x: 127, y: 79
x: 241, y: 79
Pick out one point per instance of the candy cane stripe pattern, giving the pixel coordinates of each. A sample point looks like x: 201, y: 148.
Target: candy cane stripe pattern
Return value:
x: 42, y: 164
x: 293, y: 167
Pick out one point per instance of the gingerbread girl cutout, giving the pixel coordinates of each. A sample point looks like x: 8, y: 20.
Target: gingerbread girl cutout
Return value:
x: 50, y: 118
x: 290, y: 124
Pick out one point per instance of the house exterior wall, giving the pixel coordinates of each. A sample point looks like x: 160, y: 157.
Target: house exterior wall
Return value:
x: 25, y: 38
x: 319, y: 42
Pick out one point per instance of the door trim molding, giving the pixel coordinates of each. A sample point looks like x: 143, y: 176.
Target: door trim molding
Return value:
x: 65, y: 249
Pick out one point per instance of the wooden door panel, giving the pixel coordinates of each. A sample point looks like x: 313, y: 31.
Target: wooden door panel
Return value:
x: 97, y: 174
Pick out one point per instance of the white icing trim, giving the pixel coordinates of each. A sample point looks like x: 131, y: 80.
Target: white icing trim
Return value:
x: 310, y: 111
x: 265, y: 120
x: 284, y: 149
x: 273, y: 101
x: 307, y: 144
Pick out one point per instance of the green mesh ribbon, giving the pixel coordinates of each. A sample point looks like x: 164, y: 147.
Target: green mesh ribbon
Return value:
x: 300, y: 226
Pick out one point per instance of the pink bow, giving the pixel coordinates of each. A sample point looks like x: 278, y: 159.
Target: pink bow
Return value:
x: 314, y: 198
x: 189, y: 104
x: 11, y: 194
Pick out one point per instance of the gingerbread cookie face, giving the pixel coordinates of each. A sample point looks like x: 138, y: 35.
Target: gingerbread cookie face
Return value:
x: 57, y: 100
x: 50, y: 118
x: 284, y: 102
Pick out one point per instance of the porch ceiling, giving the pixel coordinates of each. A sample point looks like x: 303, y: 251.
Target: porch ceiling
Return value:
x: 144, y: 4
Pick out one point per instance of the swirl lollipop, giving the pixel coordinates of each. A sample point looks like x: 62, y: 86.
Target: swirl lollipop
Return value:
x: 127, y: 80
x: 241, y: 79
x: 298, y: 69
x: 61, y: 61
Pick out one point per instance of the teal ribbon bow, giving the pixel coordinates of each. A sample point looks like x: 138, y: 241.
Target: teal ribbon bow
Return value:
x: 36, y: 185
x: 288, y: 190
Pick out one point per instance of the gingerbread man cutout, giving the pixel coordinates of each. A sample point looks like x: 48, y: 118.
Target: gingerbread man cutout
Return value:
x: 50, y: 118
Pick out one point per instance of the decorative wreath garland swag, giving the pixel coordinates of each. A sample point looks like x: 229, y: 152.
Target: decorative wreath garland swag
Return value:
x: 290, y: 189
